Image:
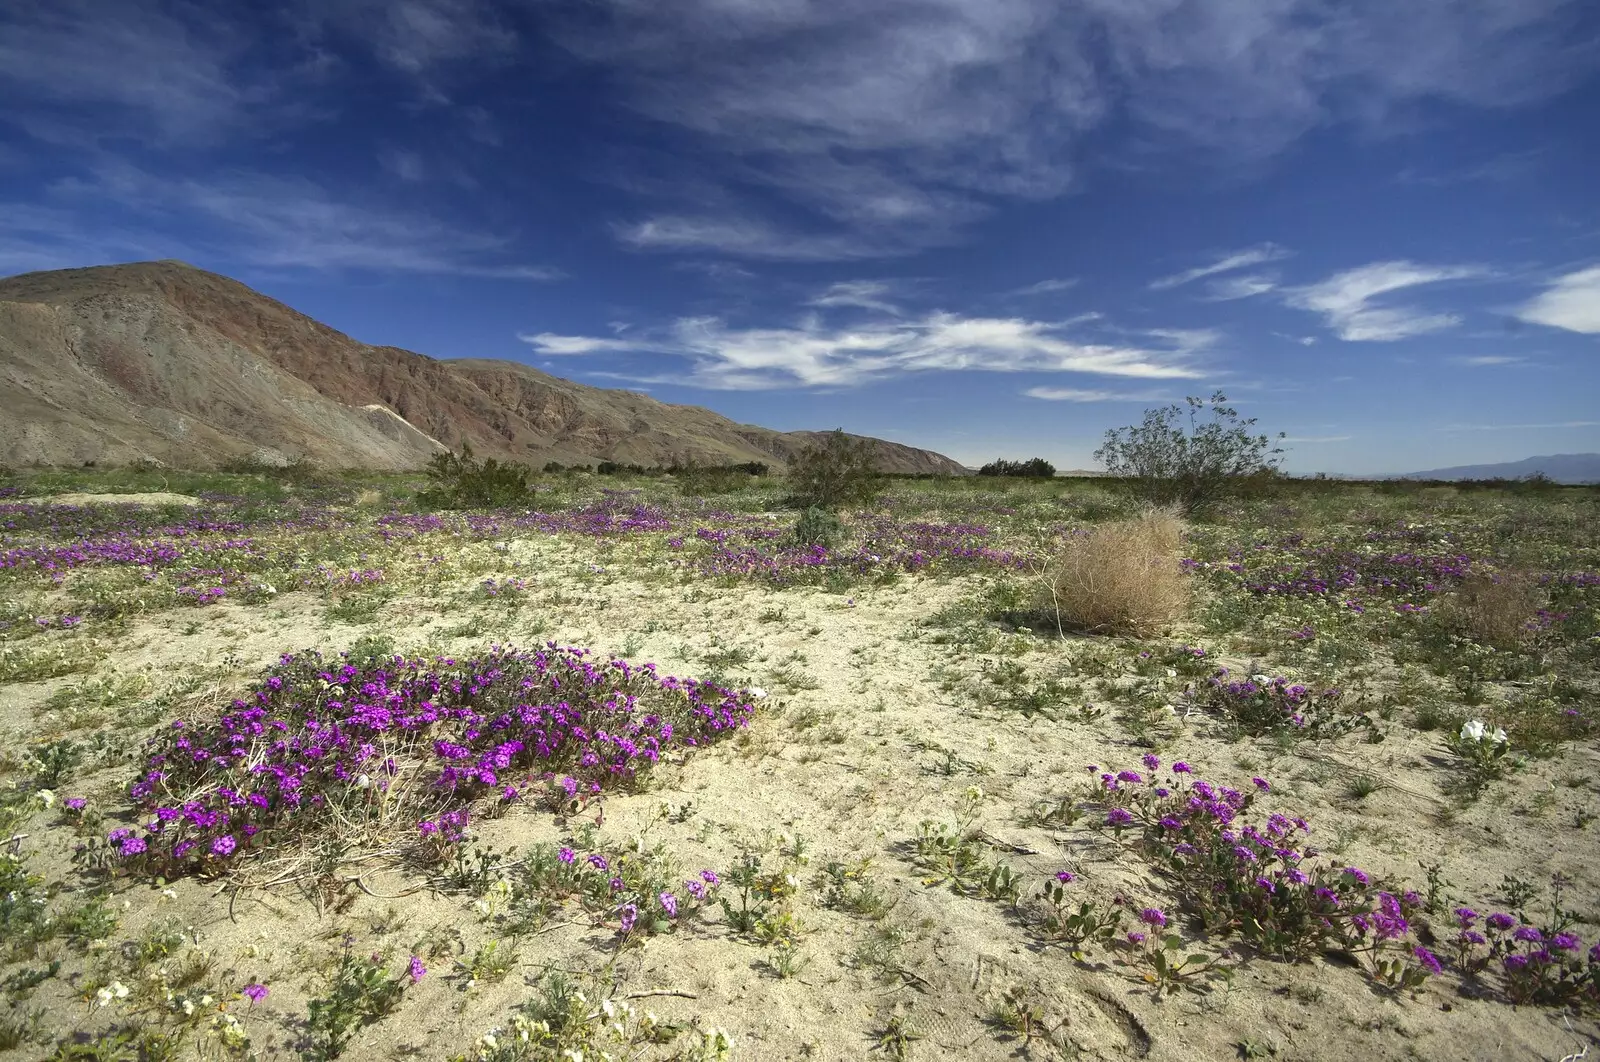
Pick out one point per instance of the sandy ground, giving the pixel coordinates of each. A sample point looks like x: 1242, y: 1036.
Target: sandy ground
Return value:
x: 870, y: 732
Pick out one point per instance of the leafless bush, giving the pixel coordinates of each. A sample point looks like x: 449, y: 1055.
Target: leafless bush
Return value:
x: 1494, y: 609
x: 1120, y: 577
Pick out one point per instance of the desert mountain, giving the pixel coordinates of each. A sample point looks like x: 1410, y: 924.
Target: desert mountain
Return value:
x: 1561, y: 468
x: 163, y: 361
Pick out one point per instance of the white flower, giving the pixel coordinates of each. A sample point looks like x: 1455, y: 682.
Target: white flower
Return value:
x: 1259, y: 680
x: 115, y: 990
x: 46, y: 797
x: 1500, y: 735
x: 1473, y: 730
x: 757, y: 692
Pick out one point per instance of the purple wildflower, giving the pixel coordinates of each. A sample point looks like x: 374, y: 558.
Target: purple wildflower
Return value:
x: 1153, y: 916
x: 1427, y: 959
x: 416, y: 969
x: 255, y: 993
x: 1066, y: 877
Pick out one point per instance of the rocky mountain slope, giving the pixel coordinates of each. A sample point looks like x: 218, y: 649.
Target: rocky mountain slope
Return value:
x: 163, y: 361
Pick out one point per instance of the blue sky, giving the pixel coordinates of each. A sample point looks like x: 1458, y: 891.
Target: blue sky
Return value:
x: 988, y: 227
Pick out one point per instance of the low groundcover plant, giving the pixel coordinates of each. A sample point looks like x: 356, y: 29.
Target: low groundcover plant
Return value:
x: 405, y: 745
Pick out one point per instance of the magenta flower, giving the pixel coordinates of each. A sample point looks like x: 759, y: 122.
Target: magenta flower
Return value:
x: 1066, y: 877
x: 669, y: 904
x: 630, y: 915
x: 255, y: 993
x: 566, y: 855
x: 1118, y: 817
x: 223, y: 846
x: 1181, y: 768
x: 1153, y: 916
x: 416, y: 969
x: 1427, y: 959
x: 1261, y: 784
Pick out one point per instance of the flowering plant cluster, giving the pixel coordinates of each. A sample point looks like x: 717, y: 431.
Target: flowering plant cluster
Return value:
x: 564, y: 1022
x: 1262, y: 704
x: 1260, y: 881
x: 635, y: 893
x: 886, y: 544
x: 320, y: 745
x: 1534, y: 964
x: 1291, y: 567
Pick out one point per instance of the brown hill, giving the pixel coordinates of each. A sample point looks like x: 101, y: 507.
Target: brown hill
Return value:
x: 163, y: 361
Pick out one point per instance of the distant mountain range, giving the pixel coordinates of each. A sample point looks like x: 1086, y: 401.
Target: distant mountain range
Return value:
x: 163, y: 361
x: 1562, y: 468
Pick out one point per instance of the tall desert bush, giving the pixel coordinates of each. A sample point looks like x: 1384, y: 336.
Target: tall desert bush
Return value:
x: 1121, y: 577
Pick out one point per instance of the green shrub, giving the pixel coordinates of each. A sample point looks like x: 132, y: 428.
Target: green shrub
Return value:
x: 1036, y: 467
x: 835, y: 472
x: 817, y: 527
x: 1189, y: 464
x: 461, y: 481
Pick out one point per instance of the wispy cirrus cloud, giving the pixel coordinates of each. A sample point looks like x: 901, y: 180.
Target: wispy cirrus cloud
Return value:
x: 1571, y: 302
x: 861, y: 294
x: 1073, y: 394
x: 1479, y: 361
x: 1550, y: 425
x: 1252, y: 256
x: 1244, y: 287
x: 812, y: 353
x: 900, y: 122
x: 261, y: 221
x: 1048, y: 287
x: 1345, y: 300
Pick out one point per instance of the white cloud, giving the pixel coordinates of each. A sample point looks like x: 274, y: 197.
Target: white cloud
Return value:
x: 1523, y: 427
x: 273, y: 222
x: 563, y: 346
x: 172, y: 73
x: 813, y: 354
x: 1481, y: 360
x: 899, y: 121
x: 1046, y: 287
x: 1572, y: 303
x: 1239, y: 288
x: 862, y: 294
x: 1252, y: 256
x: 1344, y: 300
x: 1073, y: 394
x: 748, y: 239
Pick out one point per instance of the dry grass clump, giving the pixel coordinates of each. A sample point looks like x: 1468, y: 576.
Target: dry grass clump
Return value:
x: 1493, y: 609
x: 1121, y: 577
